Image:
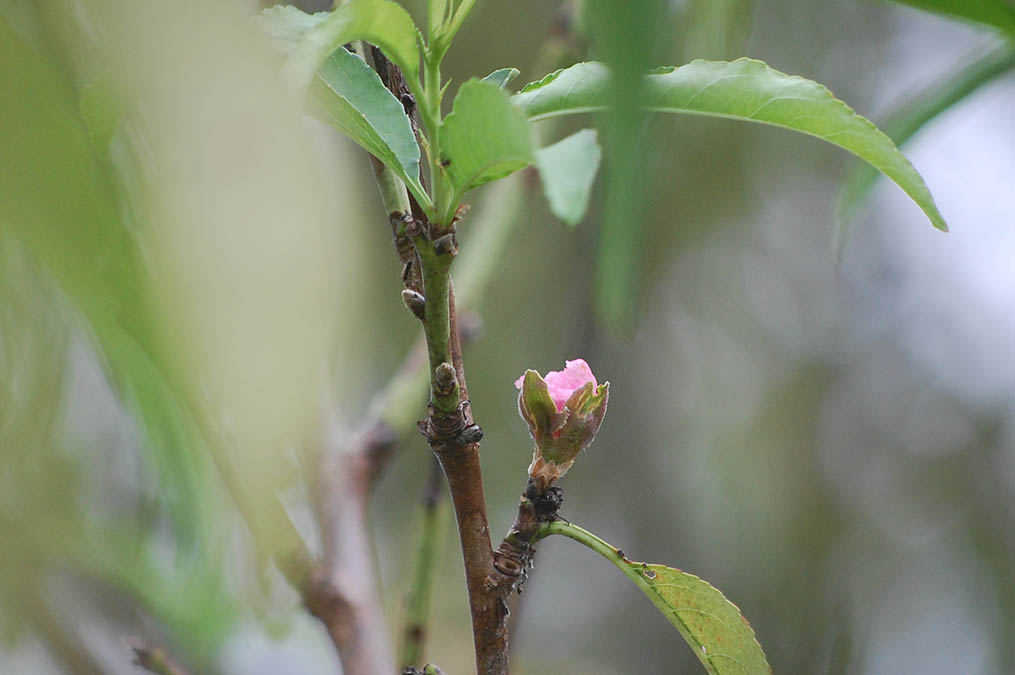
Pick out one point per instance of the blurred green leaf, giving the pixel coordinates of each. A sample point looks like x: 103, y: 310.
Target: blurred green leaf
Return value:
x: 483, y: 139
x: 567, y: 170
x: 746, y: 90
x: 713, y: 626
x: 349, y: 95
x: 101, y: 109
x: 83, y: 242
x: 629, y: 37
x: 502, y: 76
x: 908, y: 120
x: 46, y: 477
x: 716, y: 29
x: 190, y: 597
x: 379, y: 22
x: 286, y: 25
x: 997, y: 13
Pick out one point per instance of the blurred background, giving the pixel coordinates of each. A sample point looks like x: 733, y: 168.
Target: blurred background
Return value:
x: 825, y: 431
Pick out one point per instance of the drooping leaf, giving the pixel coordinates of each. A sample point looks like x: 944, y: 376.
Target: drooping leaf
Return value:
x: 567, y: 169
x: 746, y: 90
x: 997, y: 13
x: 713, y: 626
x: 348, y: 94
x: 908, y: 120
x: 379, y: 22
x: 483, y: 139
x: 502, y: 76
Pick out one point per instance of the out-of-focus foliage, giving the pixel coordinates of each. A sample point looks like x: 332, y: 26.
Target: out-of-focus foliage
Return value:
x: 999, y: 14
x: 919, y: 110
x: 832, y: 445
x: 629, y: 38
x: 567, y: 170
x: 180, y: 215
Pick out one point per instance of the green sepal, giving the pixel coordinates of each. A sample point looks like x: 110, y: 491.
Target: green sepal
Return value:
x: 536, y: 406
x: 559, y: 435
x: 576, y: 425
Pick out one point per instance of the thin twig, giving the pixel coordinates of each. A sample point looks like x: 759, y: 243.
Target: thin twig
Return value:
x: 342, y: 591
x: 431, y: 535
x: 153, y: 657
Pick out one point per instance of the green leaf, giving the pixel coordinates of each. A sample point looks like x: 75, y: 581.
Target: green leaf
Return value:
x: 746, y: 90
x: 502, y: 76
x: 101, y: 109
x: 908, y: 120
x: 715, y: 629
x: 997, y: 13
x: 379, y: 22
x: 567, y: 169
x: 437, y: 14
x: 448, y: 32
x: 483, y: 139
x: 84, y: 245
x: 286, y: 25
x: 349, y: 95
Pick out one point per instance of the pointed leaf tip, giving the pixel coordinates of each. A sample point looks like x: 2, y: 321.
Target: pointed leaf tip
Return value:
x: 747, y: 90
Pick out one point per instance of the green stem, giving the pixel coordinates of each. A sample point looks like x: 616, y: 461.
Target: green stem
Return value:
x: 632, y: 571
x: 430, y: 113
x: 433, y: 525
x: 437, y: 326
x: 394, y: 195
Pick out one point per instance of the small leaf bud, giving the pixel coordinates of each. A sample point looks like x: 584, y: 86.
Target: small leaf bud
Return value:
x: 415, y: 302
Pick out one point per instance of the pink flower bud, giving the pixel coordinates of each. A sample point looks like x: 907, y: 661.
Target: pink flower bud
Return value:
x: 562, y: 383
x: 563, y: 411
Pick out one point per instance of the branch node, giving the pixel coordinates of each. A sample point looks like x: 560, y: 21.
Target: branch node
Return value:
x: 452, y: 430
x: 546, y: 502
x: 400, y: 221
x: 446, y: 244
x: 513, y: 557
x: 413, y: 227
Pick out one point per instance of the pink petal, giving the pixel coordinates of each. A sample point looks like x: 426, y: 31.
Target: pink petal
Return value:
x: 563, y: 383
